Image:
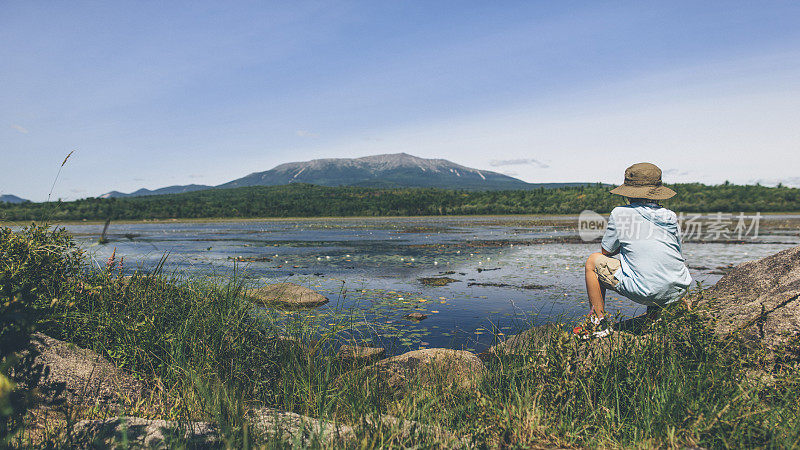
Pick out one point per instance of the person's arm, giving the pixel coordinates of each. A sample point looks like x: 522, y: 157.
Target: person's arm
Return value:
x: 609, y: 246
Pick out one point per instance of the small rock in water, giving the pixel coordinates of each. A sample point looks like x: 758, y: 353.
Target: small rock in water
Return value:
x: 249, y: 258
x: 416, y: 316
x: 437, y: 281
x: 286, y: 294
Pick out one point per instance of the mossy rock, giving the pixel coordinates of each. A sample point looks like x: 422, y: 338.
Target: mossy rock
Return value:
x: 437, y: 281
x: 757, y: 301
x: 287, y: 294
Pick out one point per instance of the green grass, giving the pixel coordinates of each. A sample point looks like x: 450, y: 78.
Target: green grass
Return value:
x: 211, y: 358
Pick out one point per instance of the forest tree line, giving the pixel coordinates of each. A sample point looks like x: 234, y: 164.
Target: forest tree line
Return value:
x: 304, y: 200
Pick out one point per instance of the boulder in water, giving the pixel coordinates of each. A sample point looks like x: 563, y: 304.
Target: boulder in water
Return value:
x: 287, y: 294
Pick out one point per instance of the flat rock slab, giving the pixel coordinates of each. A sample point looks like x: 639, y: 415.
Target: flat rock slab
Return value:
x: 88, y: 378
x: 304, y: 431
x: 428, y: 366
x: 143, y: 433
x: 758, y: 301
x: 287, y: 294
x: 298, y: 429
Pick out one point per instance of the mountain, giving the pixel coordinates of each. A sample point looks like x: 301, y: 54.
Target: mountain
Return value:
x: 385, y: 171
x: 164, y: 190
x: 8, y: 198
x: 399, y: 170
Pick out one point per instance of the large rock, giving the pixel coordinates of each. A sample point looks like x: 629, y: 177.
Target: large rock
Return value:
x: 405, y: 429
x: 758, y: 301
x: 304, y: 431
x: 301, y: 430
x: 429, y: 366
x: 287, y: 294
x: 88, y: 378
x: 143, y: 433
x: 531, y: 340
x: 268, y: 424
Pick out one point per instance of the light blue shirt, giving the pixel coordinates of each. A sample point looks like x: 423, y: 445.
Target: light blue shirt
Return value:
x: 652, y: 269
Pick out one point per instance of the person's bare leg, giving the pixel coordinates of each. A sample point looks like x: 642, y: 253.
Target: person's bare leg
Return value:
x: 596, y: 292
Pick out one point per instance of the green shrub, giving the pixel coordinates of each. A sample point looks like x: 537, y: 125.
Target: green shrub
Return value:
x: 36, y: 264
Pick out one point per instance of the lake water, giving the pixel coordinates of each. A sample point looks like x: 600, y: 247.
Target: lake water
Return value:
x: 510, y: 271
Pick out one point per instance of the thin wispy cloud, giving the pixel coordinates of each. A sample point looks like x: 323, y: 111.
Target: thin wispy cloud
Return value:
x: 305, y: 133
x: 676, y: 172
x: 20, y: 128
x: 518, y: 162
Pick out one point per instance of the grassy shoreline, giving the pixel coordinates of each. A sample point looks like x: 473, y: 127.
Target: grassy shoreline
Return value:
x: 331, y: 218
x: 278, y: 219
x: 204, y: 356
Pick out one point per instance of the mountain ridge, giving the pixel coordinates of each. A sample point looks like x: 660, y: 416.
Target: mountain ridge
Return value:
x: 397, y: 170
x: 8, y: 198
x: 177, y: 189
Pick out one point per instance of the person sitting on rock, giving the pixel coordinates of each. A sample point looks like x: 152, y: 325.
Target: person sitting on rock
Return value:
x: 650, y: 269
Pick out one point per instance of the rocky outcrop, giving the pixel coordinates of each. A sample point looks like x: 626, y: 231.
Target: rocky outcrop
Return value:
x: 310, y: 432
x: 143, y: 433
x: 267, y: 424
x: 88, y: 378
x: 286, y: 294
x: 758, y: 301
x: 428, y: 367
x: 533, y: 339
x: 298, y: 429
x: 410, y: 429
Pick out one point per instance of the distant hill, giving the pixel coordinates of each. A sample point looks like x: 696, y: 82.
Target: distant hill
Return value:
x: 399, y: 170
x: 8, y: 198
x: 161, y: 191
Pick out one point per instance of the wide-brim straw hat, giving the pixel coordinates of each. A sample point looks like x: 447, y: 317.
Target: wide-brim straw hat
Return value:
x: 643, y: 180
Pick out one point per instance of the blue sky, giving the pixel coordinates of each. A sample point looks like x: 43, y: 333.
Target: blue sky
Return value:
x: 151, y: 94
